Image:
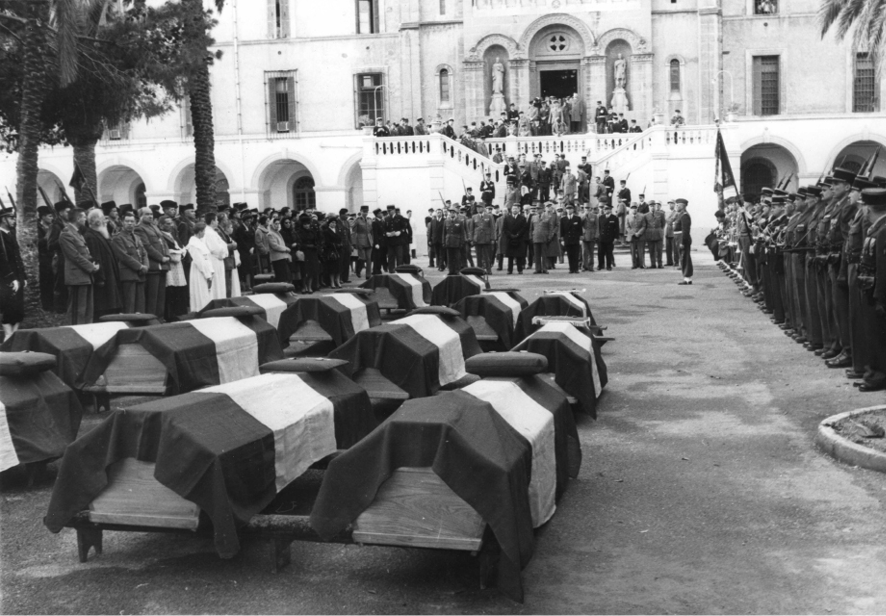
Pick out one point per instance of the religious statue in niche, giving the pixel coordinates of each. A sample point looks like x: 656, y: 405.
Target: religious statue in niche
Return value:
x: 619, y: 102
x: 497, y: 104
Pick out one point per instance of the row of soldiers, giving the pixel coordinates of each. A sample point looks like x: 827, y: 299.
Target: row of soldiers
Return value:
x: 816, y: 261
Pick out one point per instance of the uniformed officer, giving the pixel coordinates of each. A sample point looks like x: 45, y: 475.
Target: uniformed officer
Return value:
x: 872, y: 287
x: 454, y: 237
x: 483, y: 236
x: 571, y: 232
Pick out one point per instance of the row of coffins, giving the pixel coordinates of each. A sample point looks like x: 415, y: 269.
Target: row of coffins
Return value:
x: 476, y: 468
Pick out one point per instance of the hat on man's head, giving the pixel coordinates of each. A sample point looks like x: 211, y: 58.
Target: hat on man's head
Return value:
x: 391, y: 208
x: 827, y: 182
x: 165, y: 204
x: 879, y: 180
x: 43, y: 210
x: 107, y: 206
x: 184, y: 208
x: 377, y: 211
x: 683, y: 201
x: 874, y: 197
x: 766, y: 191
x: 813, y: 191
x: 61, y: 206
x: 6, y: 212
x: 844, y: 175
x: 343, y: 210
x: 860, y: 183
x: 364, y: 208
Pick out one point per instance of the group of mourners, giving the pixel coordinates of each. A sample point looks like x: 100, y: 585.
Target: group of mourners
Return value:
x: 815, y: 260
x: 170, y: 260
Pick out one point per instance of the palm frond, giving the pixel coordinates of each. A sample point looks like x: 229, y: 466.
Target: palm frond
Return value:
x: 851, y: 12
x: 828, y: 13
x: 66, y: 22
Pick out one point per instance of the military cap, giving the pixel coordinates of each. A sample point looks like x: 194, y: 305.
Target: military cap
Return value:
x: 43, y: 210
x: 391, y: 208
x: 813, y: 191
x: 844, y: 175
x: 683, y: 201
x: 343, y: 210
x: 875, y: 197
x: 125, y: 209
x: 223, y: 207
x: 377, y: 210
x: 247, y: 214
x: 364, y: 208
x: 778, y: 200
x: 61, y: 206
x: 779, y: 193
x: 879, y: 180
x: 6, y: 211
x: 860, y: 183
x: 766, y: 191
x: 827, y: 182
x: 186, y: 207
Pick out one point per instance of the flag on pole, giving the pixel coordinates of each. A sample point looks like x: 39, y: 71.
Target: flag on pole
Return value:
x: 77, y: 179
x: 724, y: 180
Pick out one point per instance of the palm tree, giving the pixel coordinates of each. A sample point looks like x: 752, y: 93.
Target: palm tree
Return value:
x: 198, y: 87
x: 868, y: 17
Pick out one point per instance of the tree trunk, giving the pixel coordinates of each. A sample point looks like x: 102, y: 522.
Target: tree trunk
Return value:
x: 204, y: 138
x: 27, y: 164
x: 84, y: 158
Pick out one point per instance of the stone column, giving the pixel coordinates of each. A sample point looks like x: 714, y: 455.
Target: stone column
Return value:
x: 475, y: 92
x: 641, y: 87
x: 710, y: 61
x: 519, y: 71
x: 596, y: 83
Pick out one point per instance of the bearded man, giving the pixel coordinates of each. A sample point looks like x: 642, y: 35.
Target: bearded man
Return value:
x: 106, y: 281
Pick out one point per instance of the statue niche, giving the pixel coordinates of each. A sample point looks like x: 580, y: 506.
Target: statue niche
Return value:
x: 496, y: 80
x: 617, y: 54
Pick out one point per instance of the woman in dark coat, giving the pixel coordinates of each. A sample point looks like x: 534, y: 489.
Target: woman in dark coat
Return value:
x: 308, y: 241
x: 332, y: 246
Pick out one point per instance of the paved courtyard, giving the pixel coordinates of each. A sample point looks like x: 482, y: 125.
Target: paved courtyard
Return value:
x: 700, y: 492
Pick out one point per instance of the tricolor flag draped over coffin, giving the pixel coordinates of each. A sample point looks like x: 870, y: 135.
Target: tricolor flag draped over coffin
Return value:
x: 498, y: 447
x: 456, y: 286
x: 420, y: 353
x: 228, y: 449
x: 72, y: 345
x: 271, y: 305
x: 39, y: 414
x: 409, y: 291
x: 553, y: 304
x: 341, y: 315
x: 575, y: 360
x: 198, y: 353
x: 499, y: 312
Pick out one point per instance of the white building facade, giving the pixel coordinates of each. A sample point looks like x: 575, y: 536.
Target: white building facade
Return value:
x: 297, y: 80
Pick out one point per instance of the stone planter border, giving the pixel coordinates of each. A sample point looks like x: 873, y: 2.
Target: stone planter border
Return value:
x: 829, y: 440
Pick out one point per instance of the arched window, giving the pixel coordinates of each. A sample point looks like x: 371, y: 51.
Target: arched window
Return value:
x: 140, y: 198
x: 675, y: 75
x: 303, y: 193
x: 444, y: 86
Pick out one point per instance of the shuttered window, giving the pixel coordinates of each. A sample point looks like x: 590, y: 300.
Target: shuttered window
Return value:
x: 675, y: 75
x: 367, y: 17
x: 369, y: 95
x: 766, y: 85
x: 281, y: 102
x: 278, y: 18
x: 444, y: 87
x: 864, y: 85
x: 303, y: 193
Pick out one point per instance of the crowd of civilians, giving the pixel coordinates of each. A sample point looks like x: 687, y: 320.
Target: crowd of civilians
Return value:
x: 169, y: 260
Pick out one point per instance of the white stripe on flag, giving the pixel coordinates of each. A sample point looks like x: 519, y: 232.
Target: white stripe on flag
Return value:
x: 535, y: 424
x: 8, y: 457
x: 418, y: 297
x: 359, y: 316
x: 477, y: 281
x: 301, y: 419
x: 569, y: 297
x: 508, y: 301
x: 236, y: 346
x: 435, y: 331
x: 272, y: 305
x: 581, y: 340
x: 97, y: 334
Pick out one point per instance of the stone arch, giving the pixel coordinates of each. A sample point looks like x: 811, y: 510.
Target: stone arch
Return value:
x: 284, y: 155
x: 275, y: 179
x: 175, y: 176
x: 638, y: 43
x: 866, y: 140
x: 184, y: 190
x: 116, y: 161
x: 351, y: 177
x: 120, y: 182
x: 784, y: 143
x: 475, y: 53
x: 775, y: 158
x: 675, y: 98
x: 558, y: 19
x: 347, y: 166
x: 50, y: 180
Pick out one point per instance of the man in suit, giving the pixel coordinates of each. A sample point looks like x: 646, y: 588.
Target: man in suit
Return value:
x: 568, y: 185
x: 608, y: 183
x: 636, y: 231
x: 487, y: 189
x: 684, y: 235
x: 380, y: 129
x: 576, y: 114
x: 396, y: 237
x: 379, y: 242
x: 601, y: 116
x: 514, y: 231
x: 79, y: 268
x: 483, y: 236
x: 655, y: 222
x: 449, y: 129
x: 13, y: 279
x: 624, y: 193
x: 133, y: 261
x: 540, y: 233
x: 571, y: 232
x: 454, y: 235
x: 158, y: 262
x: 608, y: 233
x: 589, y: 234
x: 420, y: 128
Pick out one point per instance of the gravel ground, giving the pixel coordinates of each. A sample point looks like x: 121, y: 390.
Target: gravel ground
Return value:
x: 700, y: 492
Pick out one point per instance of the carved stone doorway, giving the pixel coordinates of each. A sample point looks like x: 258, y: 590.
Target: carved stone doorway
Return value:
x: 557, y: 82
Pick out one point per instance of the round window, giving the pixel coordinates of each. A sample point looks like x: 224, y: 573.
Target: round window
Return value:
x: 558, y: 43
